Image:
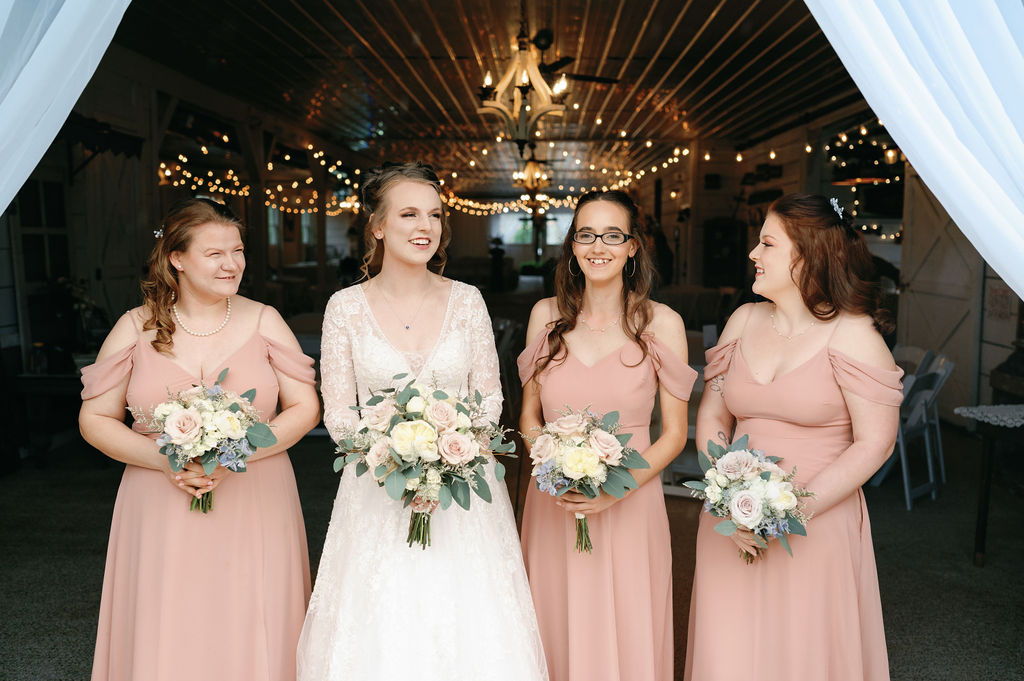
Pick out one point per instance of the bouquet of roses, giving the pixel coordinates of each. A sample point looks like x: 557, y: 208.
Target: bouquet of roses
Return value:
x: 210, y: 425
x: 752, y: 493
x: 582, y: 452
x: 424, y: 447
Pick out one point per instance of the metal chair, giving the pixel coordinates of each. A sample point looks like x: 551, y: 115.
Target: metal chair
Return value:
x: 942, y: 367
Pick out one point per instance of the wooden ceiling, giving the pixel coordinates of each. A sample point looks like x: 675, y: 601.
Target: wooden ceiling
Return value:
x: 399, y: 79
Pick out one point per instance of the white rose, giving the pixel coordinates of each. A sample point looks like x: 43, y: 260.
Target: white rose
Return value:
x: 463, y: 422
x: 227, y: 422
x: 736, y: 464
x: 412, y: 484
x: 746, y: 509
x: 780, y: 496
x: 415, y: 440
x: 202, y: 405
x: 416, y: 404
x: 722, y: 480
x: 165, y: 409
x: 713, y: 493
x: 433, y: 476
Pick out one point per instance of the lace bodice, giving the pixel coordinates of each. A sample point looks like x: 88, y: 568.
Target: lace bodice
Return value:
x: 357, y: 357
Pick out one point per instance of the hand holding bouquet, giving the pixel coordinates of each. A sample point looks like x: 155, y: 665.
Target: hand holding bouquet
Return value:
x: 425, y: 447
x: 581, y: 452
x: 211, y: 425
x: 753, y: 494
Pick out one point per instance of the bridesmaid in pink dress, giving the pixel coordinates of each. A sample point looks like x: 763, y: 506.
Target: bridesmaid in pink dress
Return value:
x: 189, y: 596
x: 602, y: 344
x: 808, y: 378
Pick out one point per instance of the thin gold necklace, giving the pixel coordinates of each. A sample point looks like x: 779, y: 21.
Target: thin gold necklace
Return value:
x: 791, y: 337
x: 392, y: 308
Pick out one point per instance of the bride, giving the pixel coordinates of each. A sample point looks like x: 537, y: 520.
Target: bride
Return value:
x: 460, y: 609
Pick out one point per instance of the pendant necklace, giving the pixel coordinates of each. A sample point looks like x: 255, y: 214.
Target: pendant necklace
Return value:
x: 391, y: 307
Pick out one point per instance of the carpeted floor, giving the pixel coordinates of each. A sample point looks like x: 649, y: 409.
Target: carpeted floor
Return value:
x: 944, y: 617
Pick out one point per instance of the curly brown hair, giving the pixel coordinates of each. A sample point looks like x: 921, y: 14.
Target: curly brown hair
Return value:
x: 836, y: 270
x: 374, y: 198
x: 637, y: 282
x: 160, y: 287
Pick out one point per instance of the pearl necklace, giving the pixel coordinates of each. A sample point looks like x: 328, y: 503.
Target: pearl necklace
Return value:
x: 789, y: 338
x: 603, y: 328
x: 205, y: 333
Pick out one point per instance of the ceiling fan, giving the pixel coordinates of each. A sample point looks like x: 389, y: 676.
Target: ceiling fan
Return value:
x: 543, y: 39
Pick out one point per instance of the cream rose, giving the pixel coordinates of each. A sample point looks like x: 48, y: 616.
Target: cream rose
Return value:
x: 184, y: 427
x: 607, y: 447
x: 457, y: 448
x: 433, y: 477
x: 416, y: 404
x: 227, y: 422
x: 737, y: 464
x: 746, y: 509
x: 713, y: 493
x: 415, y: 440
x: 442, y: 415
x: 568, y: 425
x: 378, y: 417
x: 780, y: 496
x: 165, y: 409
x: 581, y: 462
x: 543, y: 449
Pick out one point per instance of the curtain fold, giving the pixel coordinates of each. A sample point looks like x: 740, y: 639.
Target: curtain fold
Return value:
x: 945, y: 76
x: 49, y: 50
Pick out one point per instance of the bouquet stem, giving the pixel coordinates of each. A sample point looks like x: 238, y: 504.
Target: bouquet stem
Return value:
x: 203, y: 503
x: 419, y: 529
x: 582, y: 534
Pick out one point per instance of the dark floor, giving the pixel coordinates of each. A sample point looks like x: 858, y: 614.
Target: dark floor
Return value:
x: 944, y: 617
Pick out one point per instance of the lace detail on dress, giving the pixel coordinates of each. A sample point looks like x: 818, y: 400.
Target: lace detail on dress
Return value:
x: 462, y: 608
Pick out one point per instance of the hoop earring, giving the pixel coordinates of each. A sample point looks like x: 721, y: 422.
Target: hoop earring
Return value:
x: 571, y: 261
x: 630, y: 274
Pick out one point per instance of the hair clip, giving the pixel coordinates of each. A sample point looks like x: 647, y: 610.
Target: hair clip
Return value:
x: 158, y: 233
x: 836, y: 207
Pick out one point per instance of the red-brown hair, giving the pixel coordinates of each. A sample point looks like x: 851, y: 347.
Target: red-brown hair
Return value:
x: 836, y: 273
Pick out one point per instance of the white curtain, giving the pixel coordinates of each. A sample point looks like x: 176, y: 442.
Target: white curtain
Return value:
x: 49, y: 50
x: 946, y: 77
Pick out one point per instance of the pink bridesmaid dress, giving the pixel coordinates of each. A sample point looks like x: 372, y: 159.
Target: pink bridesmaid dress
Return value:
x: 605, y: 615
x: 816, y: 615
x: 189, y: 596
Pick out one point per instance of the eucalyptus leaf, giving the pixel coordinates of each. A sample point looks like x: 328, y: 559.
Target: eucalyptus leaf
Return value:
x: 613, y: 488
x: 622, y: 476
x: 380, y: 470
x: 375, y: 400
x: 796, y: 527
x: 726, y: 528
x: 339, y: 463
x: 462, y: 409
x: 234, y: 408
x: 444, y: 496
x: 398, y: 377
x: 440, y: 395
x: 409, y: 496
x: 499, y: 471
x: 260, y: 435
x: 715, y: 450
x: 623, y: 438
x: 610, y: 421
x: 704, y: 461
x: 483, y: 490
x: 784, y: 540
x: 249, y: 395
x: 361, y: 468
x: 209, y: 461
x: 478, y: 397
x: 460, y: 492
x: 173, y: 460
x: 766, y: 475
x: 739, y: 444
x: 632, y: 459
x: 394, y: 484
x: 221, y: 376
x: 698, y: 485
x: 413, y: 471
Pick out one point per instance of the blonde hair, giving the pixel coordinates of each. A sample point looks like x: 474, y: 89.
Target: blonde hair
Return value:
x: 374, y: 199
x: 160, y: 287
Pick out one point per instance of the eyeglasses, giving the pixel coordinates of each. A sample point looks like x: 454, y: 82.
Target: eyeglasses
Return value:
x: 609, y: 238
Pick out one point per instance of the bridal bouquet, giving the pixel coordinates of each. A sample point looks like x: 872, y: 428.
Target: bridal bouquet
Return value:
x: 581, y: 452
x: 210, y: 425
x: 751, y: 492
x: 426, y: 448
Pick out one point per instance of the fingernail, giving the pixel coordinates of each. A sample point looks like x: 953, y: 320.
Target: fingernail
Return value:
x: 177, y: 477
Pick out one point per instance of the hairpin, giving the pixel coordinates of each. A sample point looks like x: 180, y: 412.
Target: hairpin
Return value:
x: 158, y: 233
x: 836, y: 207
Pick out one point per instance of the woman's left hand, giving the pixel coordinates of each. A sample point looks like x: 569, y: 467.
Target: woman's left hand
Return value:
x: 574, y: 502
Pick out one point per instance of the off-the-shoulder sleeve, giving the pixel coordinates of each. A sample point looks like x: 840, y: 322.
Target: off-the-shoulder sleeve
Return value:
x: 100, y: 377
x: 719, y: 359
x: 882, y: 386
x: 290, y: 362
x: 673, y: 372
x: 529, y: 357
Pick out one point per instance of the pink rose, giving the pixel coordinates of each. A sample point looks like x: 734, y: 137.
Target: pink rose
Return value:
x: 184, y: 427
x: 737, y: 464
x: 441, y: 415
x: 607, y: 447
x: 378, y: 417
x: 543, y: 449
x: 457, y: 448
x: 379, y: 453
x: 746, y: 509
x: 568, y: 425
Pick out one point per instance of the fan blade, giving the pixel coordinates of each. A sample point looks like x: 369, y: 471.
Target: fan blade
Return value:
x: 591, y: 79
x: 556, y: 65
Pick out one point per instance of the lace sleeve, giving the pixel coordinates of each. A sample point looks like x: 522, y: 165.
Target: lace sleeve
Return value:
x: 483, y: 374
x: 337, y: 372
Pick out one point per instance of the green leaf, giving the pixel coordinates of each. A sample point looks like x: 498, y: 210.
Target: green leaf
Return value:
x: 773, y: 459
x: 478, y: 397
x: 623, y: 438
x: 234, y: 407
x: 260, y: 435
x: 353, y: 456
x: 395, y: 485
x: 796, y: 527
x: 403, y: 397
x: 375, y: 400
x: 398, y: 377
x: 483, y: 490
x: 698, y: 485
x: 460, y: 492
x: 395, y: 456
x: 221, y: 376
x: 715, y: 450
x: 613, y: 488
x: 413, y: 471
x: 766, y: 476
x: 444, y: 496
x: 173, y: 460
x: 610, y: 421
x: 462, y: 409
x: 563, y: 490
x: 440, y: 395
x: 249, y: 395
x: 705, y: 461
x: 499, y: 471
x: 339, y: 463
x: 784, y: 540
x: 739, y: 444
x: 380, y: 470
x: 632, y: 459
x: 361, y: 468
x: 622, y: 476
x: 409, y: 496
x: 209, y: 461
x: 760, y: 542
x: 726, y: 528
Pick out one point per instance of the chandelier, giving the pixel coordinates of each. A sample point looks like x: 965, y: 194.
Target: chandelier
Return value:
x: 522, y: 97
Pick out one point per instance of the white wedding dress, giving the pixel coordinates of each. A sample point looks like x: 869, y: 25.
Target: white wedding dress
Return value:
x: 380, y: 610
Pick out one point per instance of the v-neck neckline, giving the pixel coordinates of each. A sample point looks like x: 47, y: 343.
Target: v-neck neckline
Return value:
x: 777, y: 377
x: 217, y: 368
x: 405, y: 353
x: 617, y: 351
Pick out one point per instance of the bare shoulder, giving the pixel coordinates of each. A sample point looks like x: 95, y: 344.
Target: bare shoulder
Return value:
x: 666, y: 322
x: 126, y: 331
x: 857, y: 337
x: 543, y: 313
x: 737, y: 320
x: 273, y: 326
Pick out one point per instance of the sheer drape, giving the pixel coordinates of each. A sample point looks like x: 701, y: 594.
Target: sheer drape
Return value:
x: 947, y: 79
x: 49, y: 50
